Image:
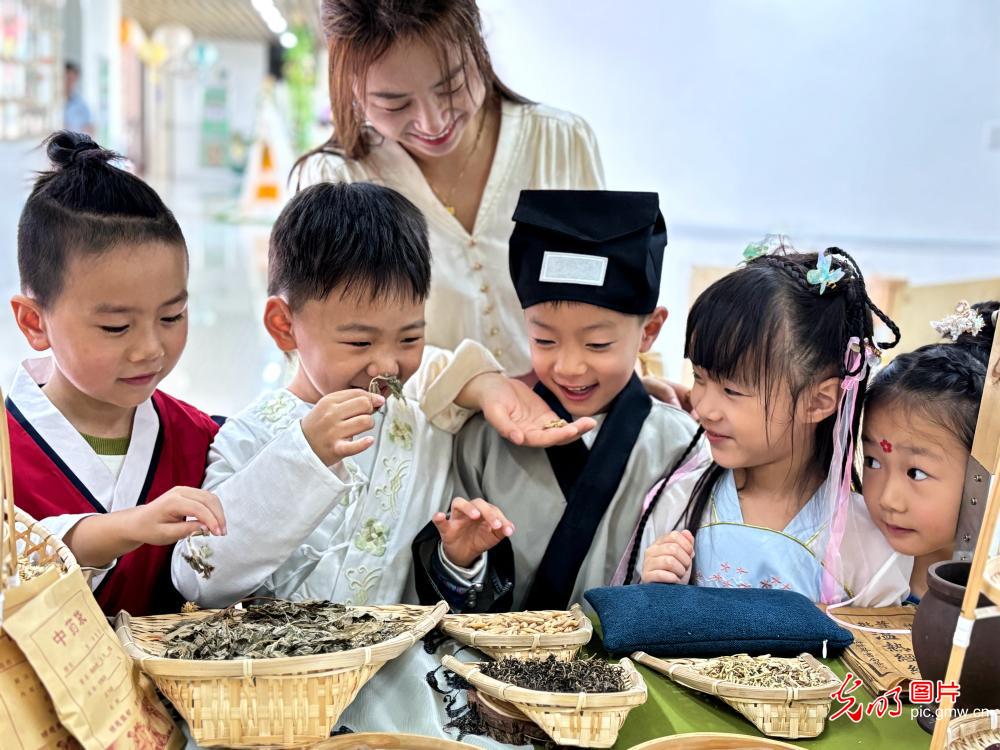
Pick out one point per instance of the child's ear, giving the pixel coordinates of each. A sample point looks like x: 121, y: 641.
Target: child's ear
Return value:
x: 652, y: 327
x: 28, y: 316
x: 822, y: 400
x: 278, y: 322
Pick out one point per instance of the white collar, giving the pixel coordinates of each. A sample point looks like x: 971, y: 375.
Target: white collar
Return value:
x: 73, y: 450
x: 590, y: 437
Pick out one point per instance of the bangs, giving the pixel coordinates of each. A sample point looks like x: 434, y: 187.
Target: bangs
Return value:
x: 735, y: 332
x: 392, y: 289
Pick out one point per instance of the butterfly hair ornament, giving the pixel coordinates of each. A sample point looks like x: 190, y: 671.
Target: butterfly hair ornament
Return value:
x: 767, y: 245
x: 965, y: 319
x: 823, y: 275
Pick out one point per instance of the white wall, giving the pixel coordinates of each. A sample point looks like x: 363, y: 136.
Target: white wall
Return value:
x: 848, y: 122
x: 244, y: 65
x: 100, y: 35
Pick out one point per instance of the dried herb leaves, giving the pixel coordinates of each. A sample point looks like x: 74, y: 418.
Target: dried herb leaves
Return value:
x: 554, y: 676
x: 765, y: 671
x: 197, y: 556
x: 391, y: 382
x: 26, y: 569
x: 279, y: 628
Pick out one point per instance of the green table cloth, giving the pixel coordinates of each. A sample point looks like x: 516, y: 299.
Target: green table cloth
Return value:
x: 674, y: 709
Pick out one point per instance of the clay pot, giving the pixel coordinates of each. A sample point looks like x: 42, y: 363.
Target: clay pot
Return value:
x: 934, y: 628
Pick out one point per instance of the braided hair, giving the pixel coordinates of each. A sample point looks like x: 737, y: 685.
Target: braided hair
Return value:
x: 767, y: 326
x: 943, y: 382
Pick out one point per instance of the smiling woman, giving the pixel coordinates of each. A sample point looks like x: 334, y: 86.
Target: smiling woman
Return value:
x: 417, y: 107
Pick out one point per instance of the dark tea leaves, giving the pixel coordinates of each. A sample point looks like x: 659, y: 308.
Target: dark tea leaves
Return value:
x: 554, y: 676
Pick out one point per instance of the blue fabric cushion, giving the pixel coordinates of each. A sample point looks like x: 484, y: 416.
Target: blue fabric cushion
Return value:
x: 677, y: 620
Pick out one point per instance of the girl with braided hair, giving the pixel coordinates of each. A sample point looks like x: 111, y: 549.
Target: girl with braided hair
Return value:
x: 780, y: 349
x: 920, y: 418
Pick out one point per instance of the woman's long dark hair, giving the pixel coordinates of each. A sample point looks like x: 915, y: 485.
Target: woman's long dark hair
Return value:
x: 359, y: 32
x: 767, y: 326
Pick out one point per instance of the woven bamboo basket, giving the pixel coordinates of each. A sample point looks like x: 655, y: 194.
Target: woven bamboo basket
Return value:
x: 582, y: 719
x: 389, y: 741
x: 712, y: 741
x: 777, y: 712
x: 286, y: 701
x: 564, y: 646
x: 40, y: 546
x: 973, y: 731
x: 23, y: 536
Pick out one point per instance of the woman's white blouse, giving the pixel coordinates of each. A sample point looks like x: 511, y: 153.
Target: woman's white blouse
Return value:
x: 472, y: 295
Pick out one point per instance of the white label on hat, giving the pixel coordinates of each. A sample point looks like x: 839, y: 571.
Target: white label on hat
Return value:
x: 571, y: 268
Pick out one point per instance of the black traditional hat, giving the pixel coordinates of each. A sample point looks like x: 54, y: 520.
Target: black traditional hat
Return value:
x: 601, y: 247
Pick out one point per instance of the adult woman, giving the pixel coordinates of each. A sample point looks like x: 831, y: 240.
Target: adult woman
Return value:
x: 417, y: 106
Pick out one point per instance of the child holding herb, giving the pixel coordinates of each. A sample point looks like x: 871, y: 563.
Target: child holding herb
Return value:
x: 100, y: 455
x: 325, y: 483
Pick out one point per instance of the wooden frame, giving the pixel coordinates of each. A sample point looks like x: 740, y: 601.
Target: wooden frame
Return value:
x: 985, y: 450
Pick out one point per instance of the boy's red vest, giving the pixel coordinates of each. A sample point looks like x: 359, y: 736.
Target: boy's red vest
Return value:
x: 44, y: 486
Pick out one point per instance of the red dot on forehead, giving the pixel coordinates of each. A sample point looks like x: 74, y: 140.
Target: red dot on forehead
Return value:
x: 886, y: 445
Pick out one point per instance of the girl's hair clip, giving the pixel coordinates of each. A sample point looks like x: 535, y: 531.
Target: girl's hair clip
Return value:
x: 822, y: 275
x: 965, y: 319
x: 766, y: 246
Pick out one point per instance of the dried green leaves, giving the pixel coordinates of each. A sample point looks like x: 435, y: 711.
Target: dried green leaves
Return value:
x: 389, y: 381
x: 279, y: 628
x: 197, y: 556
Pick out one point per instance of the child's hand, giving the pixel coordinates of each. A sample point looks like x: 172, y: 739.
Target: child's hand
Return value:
x: 669, y: 559
x: 164, y: 521
x: 668, y: 392
x: 474, y: 527
x: 519, y: 414
x: 336, y: 419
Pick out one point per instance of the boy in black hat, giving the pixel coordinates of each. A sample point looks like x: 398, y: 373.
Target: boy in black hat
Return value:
x: 586, y: 266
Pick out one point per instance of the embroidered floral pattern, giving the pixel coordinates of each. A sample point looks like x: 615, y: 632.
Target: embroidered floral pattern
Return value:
x: 373, y: 537
x: 358, y: 481
x: 738, y: 580
x: 774, y: 582
x: 402, y: 434
x: 388, y: 493
x: 278, y: 410
x: 362, y: 580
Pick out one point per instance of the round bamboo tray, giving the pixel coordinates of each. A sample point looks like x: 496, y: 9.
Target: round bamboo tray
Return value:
x: 389, y: 741
x: 777, y: 712
x: 973, y: 731
x: 564, y: 646
x: 712, y: 741
x: 582, y: 719
x: 286, y: 701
